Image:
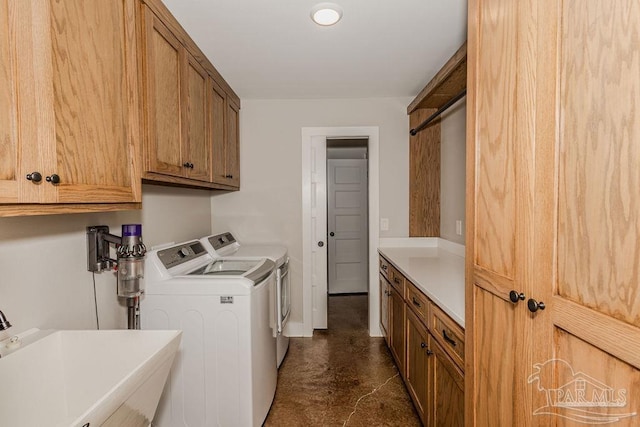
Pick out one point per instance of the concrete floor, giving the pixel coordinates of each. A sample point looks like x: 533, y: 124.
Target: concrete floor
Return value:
x: 341, y: 376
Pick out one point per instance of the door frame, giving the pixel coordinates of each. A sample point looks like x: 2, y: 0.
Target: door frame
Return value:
x: 373, y: 146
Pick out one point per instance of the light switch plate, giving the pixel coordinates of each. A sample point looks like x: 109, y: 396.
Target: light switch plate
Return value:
x: 384, y: 224
x: 459, y: 227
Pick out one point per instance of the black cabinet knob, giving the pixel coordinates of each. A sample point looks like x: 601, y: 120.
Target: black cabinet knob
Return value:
x: 332, y: 234
x: 53, y: 178
x: 321, y: 243
x: 229, y: 176
x: 429, y: 352
x: 422, y: 345
x: 515, y: 296
x: 34, y: 177
x: 534, y: 305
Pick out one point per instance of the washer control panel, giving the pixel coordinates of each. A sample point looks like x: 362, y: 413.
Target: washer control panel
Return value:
x: 177, y: 255
x: 221, y: 240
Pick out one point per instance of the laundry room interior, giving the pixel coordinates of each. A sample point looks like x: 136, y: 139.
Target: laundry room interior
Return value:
x: 420, y: 170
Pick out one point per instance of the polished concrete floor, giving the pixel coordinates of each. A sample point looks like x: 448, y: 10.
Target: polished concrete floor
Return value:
x: 341, y: 376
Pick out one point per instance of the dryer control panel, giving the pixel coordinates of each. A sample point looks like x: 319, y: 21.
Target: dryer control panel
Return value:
x: 177, y: 255
x: 221, y: 240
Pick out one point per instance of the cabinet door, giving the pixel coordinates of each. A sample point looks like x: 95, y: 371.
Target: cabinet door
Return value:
x: 9, y: 169
x: 95, y: 105
x: 384, y: 307
x: 586, y: 250
x: 447, y: 391
x: 397, y: 309
x: 233, y: 144
x: 418, y: 365
x: 77, y: 80
x: 164, y: 56
x: 198, y: 151
x: 217, y: 125
x: 498, y: 235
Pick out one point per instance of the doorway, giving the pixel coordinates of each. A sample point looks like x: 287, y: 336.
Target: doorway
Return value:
x: 347, y: 216
x: 314, y: 224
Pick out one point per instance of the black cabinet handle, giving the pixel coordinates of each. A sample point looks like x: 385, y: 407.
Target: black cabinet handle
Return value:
x: 53, y: 179
x: 534, y: 305
x: 515, y: 297
x: 384, y: 267
x: 415, y: 302
x: 396, y: 280
x: 188, y: 165
x: 429, y: 352
x: 422, y: 345
x: 332, y: 234
x: 447, y: 338
x: 34, y: 177
x: 228, y: 176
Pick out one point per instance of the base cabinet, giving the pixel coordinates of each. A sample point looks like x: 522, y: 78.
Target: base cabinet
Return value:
x: 428, y: 348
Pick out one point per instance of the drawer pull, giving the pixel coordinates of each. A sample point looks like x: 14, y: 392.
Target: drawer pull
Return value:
x: 429, y: 352
x: 396, y: 280
x: 447, y: 338
x: 415, y: 302
x: 384, y: 267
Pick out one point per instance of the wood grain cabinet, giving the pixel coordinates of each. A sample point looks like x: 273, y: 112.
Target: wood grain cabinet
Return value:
x: 384, y: 307
x: 175, y: 106
x: 225, y: 122
x: 553, y: 260
x: 69, y: 107
x: 428, y: 348
x: 192, y: 115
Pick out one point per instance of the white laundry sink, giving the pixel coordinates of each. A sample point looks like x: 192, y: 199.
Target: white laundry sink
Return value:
x: 84, y: 378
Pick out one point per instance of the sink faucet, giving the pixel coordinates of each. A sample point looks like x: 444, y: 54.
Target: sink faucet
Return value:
x: 4, y: 323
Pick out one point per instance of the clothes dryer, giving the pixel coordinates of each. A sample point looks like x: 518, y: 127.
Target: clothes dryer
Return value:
x: 225, y: 245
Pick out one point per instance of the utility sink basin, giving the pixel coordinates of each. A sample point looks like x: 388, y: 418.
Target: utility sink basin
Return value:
x: 84, y: 378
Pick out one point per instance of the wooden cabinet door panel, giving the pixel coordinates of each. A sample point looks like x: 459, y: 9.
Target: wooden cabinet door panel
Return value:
x: 587, y: 254
x: 418, y: 365
x: 197, y: 137
x: 163, y: 69
x: 9, y: 169
x: 95, y: 108
x: 233, y: 144
x: 384, y: 307
x: 397, y: 315
x: 217, y: 126
x: 447, y: 388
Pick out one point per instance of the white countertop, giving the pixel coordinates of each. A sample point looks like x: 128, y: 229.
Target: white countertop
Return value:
x: 437, y: 272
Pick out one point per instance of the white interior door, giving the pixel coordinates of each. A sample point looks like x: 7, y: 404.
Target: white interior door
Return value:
x: 319, y: 230
x: 348, y: 226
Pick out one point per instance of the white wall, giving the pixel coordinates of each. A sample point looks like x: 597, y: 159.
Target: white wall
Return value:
x: 44, y: 281
x: 268, y: 208
x: 453, y: 171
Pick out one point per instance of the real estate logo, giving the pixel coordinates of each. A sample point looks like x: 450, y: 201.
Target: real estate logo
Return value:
x: 580, y: 398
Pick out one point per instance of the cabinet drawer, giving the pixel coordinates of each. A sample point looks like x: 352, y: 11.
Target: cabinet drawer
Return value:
x: 397, y: 280
x: 448, y: 333
x: 384, y: 267
x: 418, y: 302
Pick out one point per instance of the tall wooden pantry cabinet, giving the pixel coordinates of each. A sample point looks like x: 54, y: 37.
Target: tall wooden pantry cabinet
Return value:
x: 553, y: 202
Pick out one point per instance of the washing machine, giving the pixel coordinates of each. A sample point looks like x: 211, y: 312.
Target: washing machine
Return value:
x: 225, y: 372
x: 225, y: 245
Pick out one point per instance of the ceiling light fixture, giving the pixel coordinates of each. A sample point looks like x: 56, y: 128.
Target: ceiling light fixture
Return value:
x: 326, y: 14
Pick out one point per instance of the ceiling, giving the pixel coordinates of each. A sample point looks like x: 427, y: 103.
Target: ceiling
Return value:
x: 271, y: 48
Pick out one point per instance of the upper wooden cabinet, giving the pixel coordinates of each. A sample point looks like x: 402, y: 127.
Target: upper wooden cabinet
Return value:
x: 553, y: 261
x: 224, y: 117
x: 175, y: 106
x: 192, y: 116
x: 69, y: 109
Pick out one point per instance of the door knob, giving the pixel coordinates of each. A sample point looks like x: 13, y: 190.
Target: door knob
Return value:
x: 34, y: 177
x: 515, y: 296
x: 332, y: 234
x: 534, y: 305
x: 321, y: 243
x: 53, y: 178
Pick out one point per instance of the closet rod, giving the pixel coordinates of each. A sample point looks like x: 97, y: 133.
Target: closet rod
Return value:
x: 441, y: 110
